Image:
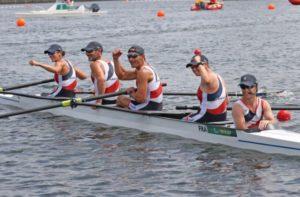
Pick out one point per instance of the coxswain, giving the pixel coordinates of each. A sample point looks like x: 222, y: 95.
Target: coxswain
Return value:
x: 211, y: 93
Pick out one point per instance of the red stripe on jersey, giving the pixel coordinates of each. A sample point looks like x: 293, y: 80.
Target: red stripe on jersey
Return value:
x: 113, y: 88
x: 156, y: 93
x: 221, y: 109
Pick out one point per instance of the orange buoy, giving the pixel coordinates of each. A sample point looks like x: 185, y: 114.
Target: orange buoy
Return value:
x: 197, y: 51
x: 160, y: 13
x: 271, y: 6
x: 284, y: 115
x: 20, y: 22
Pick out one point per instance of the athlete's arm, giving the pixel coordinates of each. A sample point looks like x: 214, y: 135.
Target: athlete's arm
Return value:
x: 143, y: 77
x: 80, y: 73
x: 98, y: 74
x: 121, y: 72
x: 268, y: 117
x: 57, y: 68
x: 238, y: 117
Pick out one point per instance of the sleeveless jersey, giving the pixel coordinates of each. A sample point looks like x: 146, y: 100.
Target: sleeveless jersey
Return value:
x: 67, y: 82
x: 252, y: 118
x: 211, y: 104
x: 154, y: 93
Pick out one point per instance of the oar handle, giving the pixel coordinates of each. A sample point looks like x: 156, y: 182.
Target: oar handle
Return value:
x: 26, y: 85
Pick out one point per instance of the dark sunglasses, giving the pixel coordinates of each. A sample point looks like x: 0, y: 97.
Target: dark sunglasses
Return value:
x: 50, y: 54
x: 196, y: 65
x: 89, y: 51
x: 247, y: 87
x: 132, y: 56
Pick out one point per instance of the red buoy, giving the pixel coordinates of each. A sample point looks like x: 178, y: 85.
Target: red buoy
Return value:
x: 197, y: 51
x: 20, y: 22
x: 271, y: 6
x: 295, y: 2
x: 160, y: 13
x: 284, y: 115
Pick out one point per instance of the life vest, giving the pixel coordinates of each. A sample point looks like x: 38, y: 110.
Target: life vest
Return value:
x: 154, y: 91
x: 112, y: 82
x: 252, y: 118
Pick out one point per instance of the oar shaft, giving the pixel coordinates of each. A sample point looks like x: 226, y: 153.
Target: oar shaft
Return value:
x: 30, y: 110
x: 27, y: 85
x: 230, y: 108
x: 195, y: 94
x: 103, y: 96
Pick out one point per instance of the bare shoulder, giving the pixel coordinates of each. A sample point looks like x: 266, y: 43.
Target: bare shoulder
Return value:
x: 237, y: 107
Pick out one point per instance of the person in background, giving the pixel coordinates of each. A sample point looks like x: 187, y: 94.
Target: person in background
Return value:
x: 148, y: 94
x: 103, y: 73
x: 65, y: 73
x: 251, y: 111
x: 211, y: 93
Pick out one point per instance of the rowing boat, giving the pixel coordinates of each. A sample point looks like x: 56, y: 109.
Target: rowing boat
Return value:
x: 62, y: 8
x: 268, y: 141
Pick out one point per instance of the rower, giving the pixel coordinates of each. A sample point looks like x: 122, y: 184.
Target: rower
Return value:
x: 103, y: 73
x: 149, y: 92
x: 211, y: 93
x: 65, y: 72
x: 251, y: 112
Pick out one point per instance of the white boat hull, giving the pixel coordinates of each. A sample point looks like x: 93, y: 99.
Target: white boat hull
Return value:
x: 269, y: 141
x: 52, y: 11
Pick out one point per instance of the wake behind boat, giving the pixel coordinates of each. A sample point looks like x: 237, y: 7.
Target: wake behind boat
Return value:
x: 61, y: 7
x: 268, y: 141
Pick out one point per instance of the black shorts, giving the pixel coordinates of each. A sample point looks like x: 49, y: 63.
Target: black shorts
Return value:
x: 213, y: 118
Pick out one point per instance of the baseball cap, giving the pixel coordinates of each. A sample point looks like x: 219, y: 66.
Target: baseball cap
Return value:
x: 193, y: 62
x: 92, y: 46
x: 248, y: 80
x: 136, y: 50
x: 53, y: 48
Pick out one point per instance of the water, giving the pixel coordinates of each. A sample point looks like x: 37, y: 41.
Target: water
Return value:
x: 44, y: 155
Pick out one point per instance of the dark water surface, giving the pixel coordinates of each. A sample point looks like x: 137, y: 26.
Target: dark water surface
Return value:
x: 43, y: 155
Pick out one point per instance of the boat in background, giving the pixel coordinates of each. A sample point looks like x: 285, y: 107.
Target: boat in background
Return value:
x: 168, y: 122
x: 295, y: 2
x: 66, y: 7
x: 202, y: 5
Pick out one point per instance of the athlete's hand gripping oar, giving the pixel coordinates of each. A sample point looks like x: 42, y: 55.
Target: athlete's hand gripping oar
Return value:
x: 65, y: 103
x: 2, y: 89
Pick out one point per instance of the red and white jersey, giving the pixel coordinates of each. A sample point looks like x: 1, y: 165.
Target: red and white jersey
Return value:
x: 112, y: 82
x: 154, y: 91
x: 252, y: 118
x: 211, y: 104
x: 68, y: 81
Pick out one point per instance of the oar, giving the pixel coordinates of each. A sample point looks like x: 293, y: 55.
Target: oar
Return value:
x: 35, y: 96
x: 229, y: 93
x: 92, y: 92
x: 65, y: 103
x: 2, y: 89
x: 278, y: 107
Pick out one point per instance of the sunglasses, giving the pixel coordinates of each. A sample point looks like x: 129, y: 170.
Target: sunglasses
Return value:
x: 51, y: 54
x: 132, y: 56
x: 197, y: 65
x: 247, y: 87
